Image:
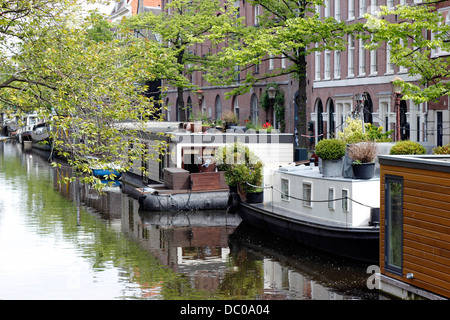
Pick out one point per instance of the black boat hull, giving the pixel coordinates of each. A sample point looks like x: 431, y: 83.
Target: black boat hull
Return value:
x: 360, y: 244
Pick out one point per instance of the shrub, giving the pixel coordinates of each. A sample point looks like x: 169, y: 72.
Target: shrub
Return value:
x: 240, y: 165
x: 353, y: 131
x: 407, y: 147
x: 330, y: 149
x: 442, y: 149
x: 363, y: 152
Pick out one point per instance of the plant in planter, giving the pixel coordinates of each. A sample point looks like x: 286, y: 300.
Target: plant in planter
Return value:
x: 230, y: 118
x: 363, y: 155
x: 407, y: 147
x: 240, y: 165
x: 331, y: 151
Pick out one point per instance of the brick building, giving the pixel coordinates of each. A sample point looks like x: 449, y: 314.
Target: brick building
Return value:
x: 335, y: 80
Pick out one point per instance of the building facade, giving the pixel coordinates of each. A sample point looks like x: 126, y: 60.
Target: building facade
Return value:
x: 338, y: 82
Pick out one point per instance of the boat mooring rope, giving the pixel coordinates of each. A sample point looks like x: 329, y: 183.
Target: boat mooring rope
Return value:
x: 310, y: 200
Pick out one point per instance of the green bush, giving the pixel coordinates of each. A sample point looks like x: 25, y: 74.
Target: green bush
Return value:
x: 240, y: 165
x: 330, y: 149
x: 407, y: 147
x: 442, y: 149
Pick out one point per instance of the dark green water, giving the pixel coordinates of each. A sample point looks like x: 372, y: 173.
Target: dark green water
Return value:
x: 55, y: 245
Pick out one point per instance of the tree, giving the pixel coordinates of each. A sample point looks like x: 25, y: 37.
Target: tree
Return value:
x: 84, y: 87
x: 287, y: 29
x: 184, y: 25
x: 416, y: 36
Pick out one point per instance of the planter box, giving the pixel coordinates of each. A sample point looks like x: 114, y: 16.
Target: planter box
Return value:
x: 364, y: 170
x: 176, y: 178
x: 332, y: 168
x: 255, y: 197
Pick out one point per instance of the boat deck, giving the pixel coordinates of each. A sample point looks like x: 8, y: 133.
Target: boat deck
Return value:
x: 304, y: 218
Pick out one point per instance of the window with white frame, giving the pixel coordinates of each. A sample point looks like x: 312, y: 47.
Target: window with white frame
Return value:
x: 351, y: 9
x: 331, y: 198
x: 337, y: 10
x: 345, y: 200
x: 283, y: 61
x: 284, y: 189
x: 362, y: 7
x: 327, y: 67
x: 271, y: 62
x: 373, y: 62
x: 256, y: 13
x: 362, y: 58
x: 402, y: 69
x: 337, y: 64
x: 307, y: 194
x: 327, y: 9
x: 390, y: 4
x: 351, y: 56
x: 317, y: 64
x: 373, y: 7
x: 389, y: 64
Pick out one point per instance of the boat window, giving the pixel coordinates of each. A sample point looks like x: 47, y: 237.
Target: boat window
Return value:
x: 393, y: 223
x: 285, y: 189
x: 344, y: 200
x: 307, y: 194
x: 330, y: 198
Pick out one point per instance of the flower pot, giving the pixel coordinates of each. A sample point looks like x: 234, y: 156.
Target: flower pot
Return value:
x: 332, y: 168
x: 364, y: 170
x: 255, y: 197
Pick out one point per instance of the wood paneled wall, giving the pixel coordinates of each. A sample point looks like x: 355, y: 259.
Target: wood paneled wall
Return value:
x: 426, y: 227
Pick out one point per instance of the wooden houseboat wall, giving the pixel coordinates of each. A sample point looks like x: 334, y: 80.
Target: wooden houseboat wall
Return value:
x: 415, y: 199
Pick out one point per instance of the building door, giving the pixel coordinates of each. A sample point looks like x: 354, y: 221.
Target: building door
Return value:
x: 330, y: 119
x: 319, y: 111
x: 440, y: 127
x: 404, y: 125
x: 393, y: 224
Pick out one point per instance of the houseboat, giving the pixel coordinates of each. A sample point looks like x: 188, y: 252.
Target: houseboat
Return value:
x: 186, y: 177
x: 335, y: 214
x: 415, y: 226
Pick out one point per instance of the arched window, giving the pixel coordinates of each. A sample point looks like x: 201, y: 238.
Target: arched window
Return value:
x: 319, y: 117
x: 254, y: 114
x: 218, y: 107
x: 331, y: 122
x: 368, y: 109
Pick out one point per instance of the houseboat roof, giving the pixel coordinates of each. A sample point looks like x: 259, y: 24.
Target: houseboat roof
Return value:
x: 425, y: 162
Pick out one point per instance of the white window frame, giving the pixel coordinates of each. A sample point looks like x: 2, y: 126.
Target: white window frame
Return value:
x: 285, y: 189
x: 362, y: 59
x: 331, y: 192
x: 307, y: 198
x: 317, y: 65
x: 327, y: 65
x: 337, y: 64
x: 345, y: 203
x: 337, y: 10
x: 351, y: 10
x: 351, y: 56
x: 362, y: 8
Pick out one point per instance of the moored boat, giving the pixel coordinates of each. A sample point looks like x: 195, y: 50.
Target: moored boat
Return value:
x: 334, y: 214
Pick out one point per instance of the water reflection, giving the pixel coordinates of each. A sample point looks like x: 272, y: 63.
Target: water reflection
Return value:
x: 103, y: 247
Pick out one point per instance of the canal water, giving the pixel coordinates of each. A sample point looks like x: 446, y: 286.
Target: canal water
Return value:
x: 68, y: 242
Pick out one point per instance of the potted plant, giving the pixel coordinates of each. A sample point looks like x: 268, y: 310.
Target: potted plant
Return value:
x: 230, y: 118
x: 331, y: 151
x: 363, y: 155
x: 407, y: 147
x: 242, y: 170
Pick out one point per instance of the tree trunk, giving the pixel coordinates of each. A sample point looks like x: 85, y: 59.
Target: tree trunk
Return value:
x: 301, y: 102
